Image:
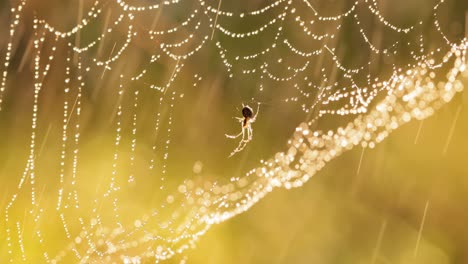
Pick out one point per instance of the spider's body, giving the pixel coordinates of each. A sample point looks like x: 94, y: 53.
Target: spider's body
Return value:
x: 247, y: 113
x: 247, y: 131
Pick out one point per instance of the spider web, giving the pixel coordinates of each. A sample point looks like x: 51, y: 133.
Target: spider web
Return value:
x: 108, y: 113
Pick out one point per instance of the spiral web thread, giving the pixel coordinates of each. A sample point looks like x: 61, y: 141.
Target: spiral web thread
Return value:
x: 414, y: 91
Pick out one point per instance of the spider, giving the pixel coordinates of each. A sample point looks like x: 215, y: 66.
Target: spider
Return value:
x: 247, y: 131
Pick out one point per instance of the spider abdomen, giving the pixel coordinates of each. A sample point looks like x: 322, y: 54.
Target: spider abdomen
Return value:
x: 247, y: 112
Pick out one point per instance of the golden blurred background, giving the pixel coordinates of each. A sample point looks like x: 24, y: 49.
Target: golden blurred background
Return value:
x: 401, y: 202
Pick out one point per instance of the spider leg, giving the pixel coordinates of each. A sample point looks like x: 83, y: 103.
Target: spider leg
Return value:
x: 256, y: 113
x: 242, y: 142
x: 249, y: 133
x: 238, y: 135
x: 239, y: 147
x: 233, y: 136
